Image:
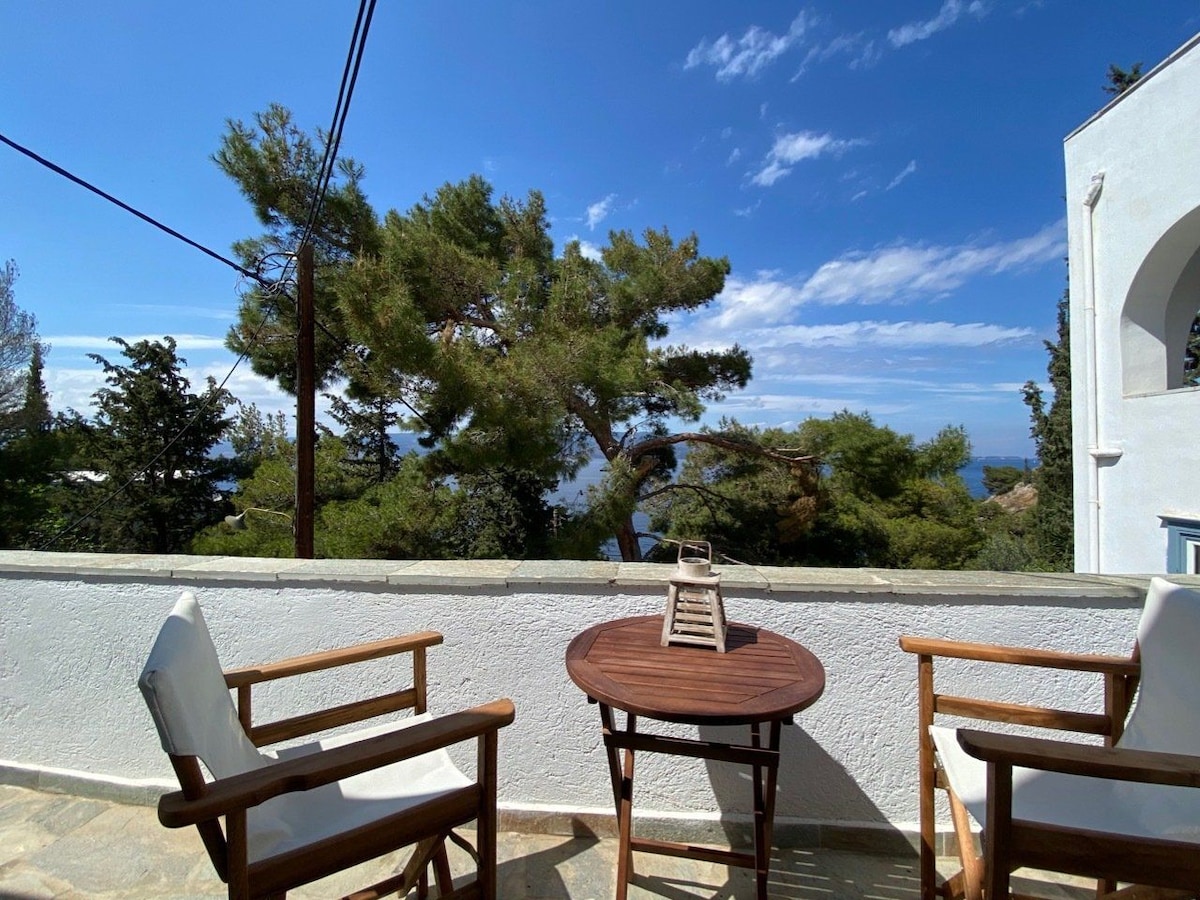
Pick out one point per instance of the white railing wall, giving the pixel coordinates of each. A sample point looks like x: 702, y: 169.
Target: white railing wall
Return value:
x: 75, y: 629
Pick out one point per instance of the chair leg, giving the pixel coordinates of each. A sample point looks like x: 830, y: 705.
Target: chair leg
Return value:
x: 486, y: 822
x: 441, y: 870
x: 415, y: 872
x: 998, y: 830
x: 972, y: 880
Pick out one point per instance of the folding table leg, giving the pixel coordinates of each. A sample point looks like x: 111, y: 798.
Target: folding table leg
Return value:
x: 765, y: 784
x: 625, y: 819
x: 622, y: 779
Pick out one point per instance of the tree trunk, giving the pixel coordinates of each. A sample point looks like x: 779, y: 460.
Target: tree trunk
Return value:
x: 627, y: 542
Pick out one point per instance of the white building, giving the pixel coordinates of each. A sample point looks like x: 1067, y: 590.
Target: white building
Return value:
x: 1133, y: 201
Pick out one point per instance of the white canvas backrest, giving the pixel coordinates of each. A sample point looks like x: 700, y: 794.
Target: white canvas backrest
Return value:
x: 1167, y: 715
x: 185, y: 690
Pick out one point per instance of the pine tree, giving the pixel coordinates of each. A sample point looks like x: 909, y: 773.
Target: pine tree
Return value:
x: 514, y: 359
x: 1053, y: 532
x: 150, y: 442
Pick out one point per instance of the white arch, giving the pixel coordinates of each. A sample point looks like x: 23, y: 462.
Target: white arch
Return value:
x: 1159, y: 309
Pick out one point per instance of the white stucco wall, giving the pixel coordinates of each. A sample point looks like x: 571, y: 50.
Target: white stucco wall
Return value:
x: 1136, y: 454
x: 74, y: 632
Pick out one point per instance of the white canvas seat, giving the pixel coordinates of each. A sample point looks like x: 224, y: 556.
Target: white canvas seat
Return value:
x: 1127, y: 812
x: 1166, y: 718
x: 379, y: 774
x: 300, y: 819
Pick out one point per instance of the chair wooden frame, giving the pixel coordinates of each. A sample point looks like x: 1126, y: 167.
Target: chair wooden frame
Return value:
x: 1008, y: 844
x: 427, y: 826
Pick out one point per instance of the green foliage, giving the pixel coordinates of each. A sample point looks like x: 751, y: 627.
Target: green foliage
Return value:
x: 276, y: 164
x: 1002, y: 479
x: 1052, y: 534
x: 878, y: 498
x: 1120, y: 80
x: 406, y: 517
x: 366, y: 420
x: 151, y: 439
x: 18, y: 338
x: 511, y: 360
x: 254, y: 438
x: 415, y: 513
x: 34, y: 456
x: 502, y: 514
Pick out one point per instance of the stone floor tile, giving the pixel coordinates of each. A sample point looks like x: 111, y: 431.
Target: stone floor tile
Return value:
x: 66, y: 848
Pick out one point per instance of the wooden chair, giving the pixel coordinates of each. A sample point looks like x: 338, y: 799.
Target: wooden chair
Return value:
x: 300, y: 814
x: 1124, y: 812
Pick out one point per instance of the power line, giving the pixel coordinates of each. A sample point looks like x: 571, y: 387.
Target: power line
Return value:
x: 345, y: 92
x: 340, y: 110
x: 59, y: 170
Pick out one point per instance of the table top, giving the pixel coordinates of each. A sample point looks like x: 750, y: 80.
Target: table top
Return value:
x: 762, y: 676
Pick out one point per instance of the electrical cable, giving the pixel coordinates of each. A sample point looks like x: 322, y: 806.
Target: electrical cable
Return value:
x: 345, y: 92
x: 59, y: 170
x: 329, y: 158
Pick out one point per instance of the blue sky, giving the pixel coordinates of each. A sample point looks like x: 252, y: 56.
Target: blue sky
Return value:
x: 886, y: 179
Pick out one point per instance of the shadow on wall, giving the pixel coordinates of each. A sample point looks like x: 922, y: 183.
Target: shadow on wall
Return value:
x: 812, y: 785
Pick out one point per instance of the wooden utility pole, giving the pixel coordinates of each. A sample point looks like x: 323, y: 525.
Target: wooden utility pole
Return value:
x: 306, y: 417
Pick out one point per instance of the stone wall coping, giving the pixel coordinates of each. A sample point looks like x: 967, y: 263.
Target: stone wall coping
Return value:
x: 525, y: 574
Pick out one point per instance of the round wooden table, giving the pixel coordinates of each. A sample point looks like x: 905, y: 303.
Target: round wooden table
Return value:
x: 762, y: 678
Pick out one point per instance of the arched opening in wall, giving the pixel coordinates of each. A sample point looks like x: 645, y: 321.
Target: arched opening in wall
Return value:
x: 1159, y: 319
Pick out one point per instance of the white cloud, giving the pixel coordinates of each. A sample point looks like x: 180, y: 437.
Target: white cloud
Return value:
x: 763, y: 301
x: 892, y: 274
x: 790, y: 149
x: 902, y: 272
x: 589, y: 250
x: 734, y: 156
x: 73, y: 388
x: 789, y: 410
x: 103, y: 345
x: 598, y: 211
x: 861, y: 50
x: 950, y: 13
x: 895, y: 335
x: 748, y: 54
x: 908, y: 170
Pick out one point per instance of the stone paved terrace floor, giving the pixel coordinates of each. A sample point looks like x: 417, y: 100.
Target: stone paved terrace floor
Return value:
x: 58, y: 846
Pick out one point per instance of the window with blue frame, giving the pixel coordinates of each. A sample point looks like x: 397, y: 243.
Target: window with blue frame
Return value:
x: 1183, y: 546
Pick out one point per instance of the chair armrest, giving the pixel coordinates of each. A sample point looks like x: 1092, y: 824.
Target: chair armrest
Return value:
x: 1147, y: 766
x: 307, y: 772
x: 1021, y: 656
x: 314, y: 662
